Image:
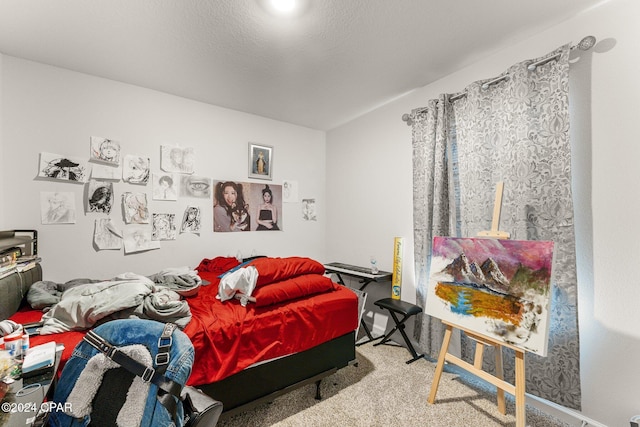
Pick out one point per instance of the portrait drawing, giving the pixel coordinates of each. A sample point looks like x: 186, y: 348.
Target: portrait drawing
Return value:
x: 103, y: 150
x: 136, y: 169
x: 57, y: 207
x: 177, y: 159
x: 99, y: 196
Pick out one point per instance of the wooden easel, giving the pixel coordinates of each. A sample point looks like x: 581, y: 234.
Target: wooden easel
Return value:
x: 517, y: 390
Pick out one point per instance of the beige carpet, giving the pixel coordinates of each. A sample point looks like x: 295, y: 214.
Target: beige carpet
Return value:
x: 384, y: 391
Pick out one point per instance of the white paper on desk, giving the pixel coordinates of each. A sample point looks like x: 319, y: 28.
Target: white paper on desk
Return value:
x: 38, y: 357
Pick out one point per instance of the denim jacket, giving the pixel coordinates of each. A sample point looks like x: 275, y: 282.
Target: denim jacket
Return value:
x: 138, y: 338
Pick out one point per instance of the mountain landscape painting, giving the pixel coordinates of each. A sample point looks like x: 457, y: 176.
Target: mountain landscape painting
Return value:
x: 497, y: 288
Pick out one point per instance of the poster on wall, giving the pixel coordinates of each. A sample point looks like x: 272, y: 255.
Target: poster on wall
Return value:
x: 244, y: 206
x: 57, y: 207
x: 494, y: 287
x: 63, y: 168
x: 99, y: 196
x: 177, y: 159
x: 103, y: 150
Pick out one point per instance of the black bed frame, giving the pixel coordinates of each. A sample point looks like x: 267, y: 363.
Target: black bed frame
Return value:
x: 264, y: 382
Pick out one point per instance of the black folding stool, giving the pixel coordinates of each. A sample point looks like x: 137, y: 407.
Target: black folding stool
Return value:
x: 407, y: 310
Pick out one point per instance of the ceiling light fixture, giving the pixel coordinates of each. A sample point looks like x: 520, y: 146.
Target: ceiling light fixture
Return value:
x: 284, y: 6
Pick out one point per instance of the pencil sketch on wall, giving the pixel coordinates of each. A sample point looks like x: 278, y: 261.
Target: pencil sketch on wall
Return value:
x: 99, y: 196
x: 191, y: 220
x: 163, y: 226
x: 137, y: 238
x: 164, y: 187
x: 309, y: 210
x: 195, y: 186
x: 103, y: 150
x: 290, y: 191
x: 106, y: 236
x: 177, y: 159
x: 55, y: 166
x: 57, y: 207
x: 134, y: 208
x: 136, y: 169
x: 106, y: 172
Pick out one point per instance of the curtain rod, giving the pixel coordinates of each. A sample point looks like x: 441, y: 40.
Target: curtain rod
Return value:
x: 585, y: 44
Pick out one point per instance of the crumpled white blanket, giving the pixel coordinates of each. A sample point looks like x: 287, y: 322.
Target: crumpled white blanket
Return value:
x: 82, y: 306
x: 238, y: 284
x: 126, y: 295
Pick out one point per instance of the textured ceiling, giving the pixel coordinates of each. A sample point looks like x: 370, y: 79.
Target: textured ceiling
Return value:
x: 331, y: 62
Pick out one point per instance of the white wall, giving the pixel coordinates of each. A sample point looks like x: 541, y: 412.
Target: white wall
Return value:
x: 369, y: 189
x: 47, y: 109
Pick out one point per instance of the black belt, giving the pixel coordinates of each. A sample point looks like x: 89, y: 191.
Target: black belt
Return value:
x: 166, y: 387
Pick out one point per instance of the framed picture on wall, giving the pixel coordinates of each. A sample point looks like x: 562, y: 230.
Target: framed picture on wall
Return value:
x: 260, y: 161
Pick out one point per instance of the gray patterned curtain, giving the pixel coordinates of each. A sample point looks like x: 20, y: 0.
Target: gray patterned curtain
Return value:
x: 431, y: 214
x: 517, y: 131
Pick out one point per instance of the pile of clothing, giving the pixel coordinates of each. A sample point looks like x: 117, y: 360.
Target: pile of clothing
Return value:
x: 83, y: 303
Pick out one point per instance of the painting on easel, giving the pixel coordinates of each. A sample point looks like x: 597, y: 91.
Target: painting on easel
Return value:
x: 497, y: 288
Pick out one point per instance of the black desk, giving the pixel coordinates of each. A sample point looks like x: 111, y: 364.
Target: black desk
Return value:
x: 23, y: 402
x: 365, y: 276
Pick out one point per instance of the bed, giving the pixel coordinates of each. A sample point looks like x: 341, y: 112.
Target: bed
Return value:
x: 298, y: 327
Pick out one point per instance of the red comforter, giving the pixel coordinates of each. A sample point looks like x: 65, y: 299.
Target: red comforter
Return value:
x: 296, y: 308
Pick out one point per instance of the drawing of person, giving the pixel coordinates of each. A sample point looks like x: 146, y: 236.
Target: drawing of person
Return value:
x: 309, y: 209
x: 107, y: 150
x: 59, y: 211
x: 165, y: 189
x: 191, y: 220
x: 105, y: 235
x: 268, y: 213
x: 163, y: 227
x: 137, y: 170
x: 261, y: 164
x: 101, y: 200
x: 135, y: 208
x: 177, y: 159
x: 287, y: 190
x: 140, y: 239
